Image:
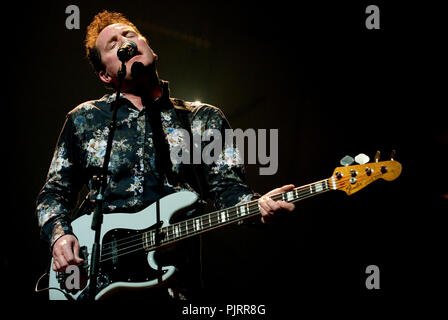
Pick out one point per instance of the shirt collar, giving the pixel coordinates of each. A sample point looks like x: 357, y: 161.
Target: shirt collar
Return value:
x: 163, y: 101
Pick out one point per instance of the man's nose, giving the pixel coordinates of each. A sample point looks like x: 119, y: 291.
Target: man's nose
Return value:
x: 120, y: 41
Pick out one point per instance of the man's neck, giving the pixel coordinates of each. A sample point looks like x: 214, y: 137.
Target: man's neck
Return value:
x: 137, y: 96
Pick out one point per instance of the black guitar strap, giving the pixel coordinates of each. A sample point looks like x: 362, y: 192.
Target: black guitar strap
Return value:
x: 195, y: 172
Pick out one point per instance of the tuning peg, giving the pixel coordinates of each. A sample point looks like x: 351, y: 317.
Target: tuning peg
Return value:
x: 346, y: 161
x: 392, y: 155
x: 362, y: 158
x: 377, y: 156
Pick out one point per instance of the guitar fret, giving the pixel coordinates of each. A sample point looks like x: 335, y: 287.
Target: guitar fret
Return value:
x: 145, y: 240
x: 198, y: 224
x: 202, y: 222
x: 242, y: 210
x: 189, y: 226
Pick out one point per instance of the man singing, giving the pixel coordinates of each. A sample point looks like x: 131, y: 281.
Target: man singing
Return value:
x: 140, y: 170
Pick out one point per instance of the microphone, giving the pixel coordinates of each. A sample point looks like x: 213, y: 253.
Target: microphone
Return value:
x: 137, y: 69
x: 127, y: 50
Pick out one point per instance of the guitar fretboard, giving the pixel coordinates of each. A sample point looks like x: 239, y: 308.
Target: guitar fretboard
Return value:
x: 216, y: 219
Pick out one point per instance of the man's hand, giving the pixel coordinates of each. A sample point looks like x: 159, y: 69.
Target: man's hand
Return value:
x: 66, y: 252
x: 270, y: 208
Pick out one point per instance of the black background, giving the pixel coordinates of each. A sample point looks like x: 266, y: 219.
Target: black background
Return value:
x: 311, y: 69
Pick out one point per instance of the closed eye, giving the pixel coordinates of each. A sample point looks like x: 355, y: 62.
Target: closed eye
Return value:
x: 111, y: 45
x: 130, y: 34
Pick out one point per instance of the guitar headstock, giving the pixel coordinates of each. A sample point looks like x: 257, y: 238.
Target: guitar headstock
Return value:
x: 352, y: 178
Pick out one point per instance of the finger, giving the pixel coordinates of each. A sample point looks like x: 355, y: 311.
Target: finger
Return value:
x: 284, y: 188
x: 265, y: 220
x: 57, y: 253
x: 67, y: 252
x: 56, y: 266
x: 273, y: 205
x: 76, y: 252
x: 286, y: 205
x: 265, y: 214
x: 62, y: 263
x: 264, y: 208
x: 287, y: 187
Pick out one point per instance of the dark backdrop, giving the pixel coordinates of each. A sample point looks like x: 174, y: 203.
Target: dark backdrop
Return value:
x: 310, y: 69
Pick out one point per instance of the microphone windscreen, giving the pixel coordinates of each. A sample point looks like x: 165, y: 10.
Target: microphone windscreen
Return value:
x: 127, y: 50
x: 137, y: 69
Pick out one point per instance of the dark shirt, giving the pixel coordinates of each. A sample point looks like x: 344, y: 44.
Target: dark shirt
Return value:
x: 135, y: 180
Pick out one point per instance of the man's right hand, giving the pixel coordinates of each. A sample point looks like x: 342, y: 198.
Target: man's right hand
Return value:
x: 65, y: 253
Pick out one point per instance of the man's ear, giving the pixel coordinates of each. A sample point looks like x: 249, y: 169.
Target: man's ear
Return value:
x: 105, y: 77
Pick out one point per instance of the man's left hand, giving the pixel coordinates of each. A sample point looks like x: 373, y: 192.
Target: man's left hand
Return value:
x: 270, y: 209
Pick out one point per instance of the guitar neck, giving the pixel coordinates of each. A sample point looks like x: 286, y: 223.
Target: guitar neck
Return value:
x: 219, y: 218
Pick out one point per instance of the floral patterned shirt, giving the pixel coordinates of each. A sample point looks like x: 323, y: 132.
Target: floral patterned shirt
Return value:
x: 134, y: 182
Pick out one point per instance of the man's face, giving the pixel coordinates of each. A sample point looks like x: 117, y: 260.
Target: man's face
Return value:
x: 108, y: 42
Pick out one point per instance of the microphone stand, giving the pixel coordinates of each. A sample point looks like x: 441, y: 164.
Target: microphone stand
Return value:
x: 97, y: 218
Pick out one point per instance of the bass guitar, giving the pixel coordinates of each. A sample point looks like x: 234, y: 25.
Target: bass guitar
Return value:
x: 129, y: 242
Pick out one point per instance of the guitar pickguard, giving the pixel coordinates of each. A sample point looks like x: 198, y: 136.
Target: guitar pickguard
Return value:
x: 126, y: 267
x: 118, y: 267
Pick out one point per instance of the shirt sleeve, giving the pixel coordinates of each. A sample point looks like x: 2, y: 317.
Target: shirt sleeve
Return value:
x: 225, y: 175
x: 60, y: 191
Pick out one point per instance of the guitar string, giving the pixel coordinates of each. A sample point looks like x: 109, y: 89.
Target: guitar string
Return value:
x: 276, y: 197
x: 300, y: 189
x: 252, y: 211
x: 190, y: 221
x: 232, y: 214
x: 232, y: 217
x: 214, y: 218
x: 304, y: 188
x: 140, y: 247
